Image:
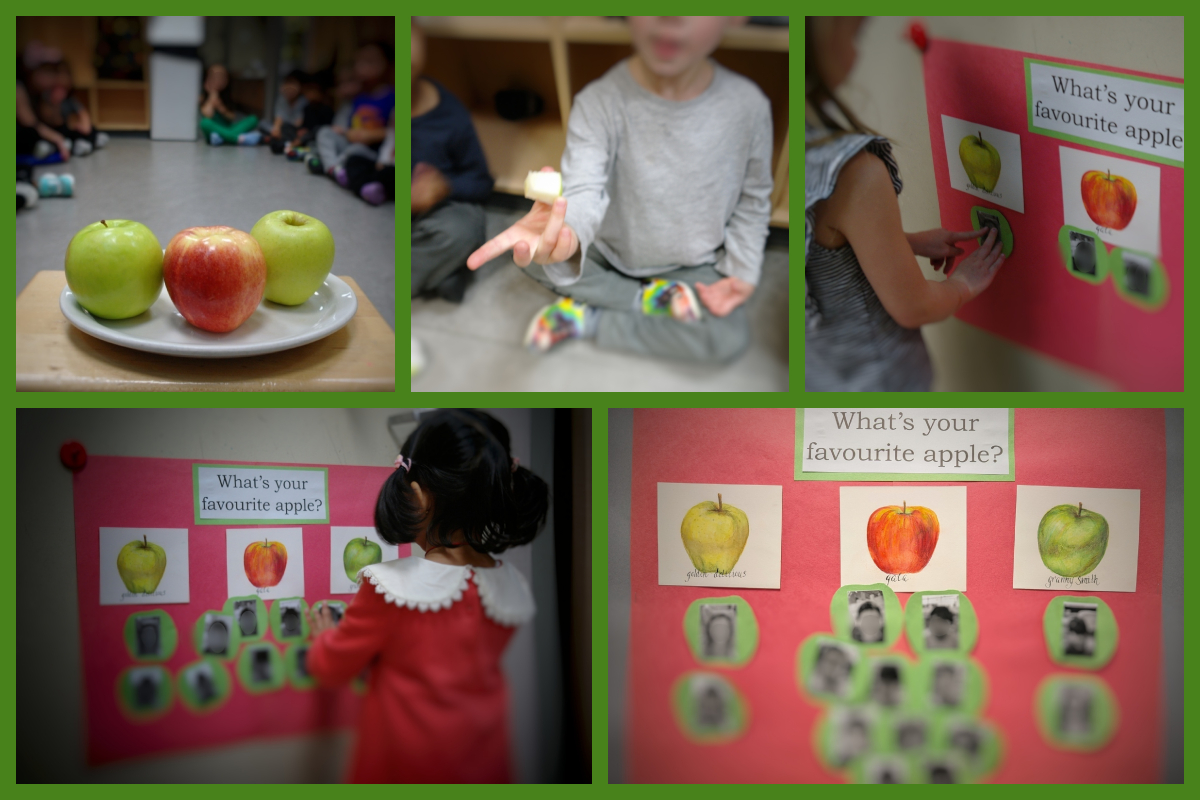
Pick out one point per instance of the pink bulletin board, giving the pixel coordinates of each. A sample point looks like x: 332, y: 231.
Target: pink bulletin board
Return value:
x: 157, y: 493
x: 1122, y: 448
x: 1036, y: 300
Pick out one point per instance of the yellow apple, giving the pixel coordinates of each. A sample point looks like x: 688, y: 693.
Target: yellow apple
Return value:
x: 714, y: 535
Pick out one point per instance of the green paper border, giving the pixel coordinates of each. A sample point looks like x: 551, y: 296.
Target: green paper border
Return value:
x: 235, y: 637
x: 293, y: 675
x: 125, y: 700
x: 1160, y: 290
x: 806, y: 655
x: 1107, y: 633
x: 221, y: 680
x: 252, y: 522
x: 914, y: 624
x: 273, y: 615
x: 260, y: 612
x: 1111, y: 148
x: 681, y: 707
x: 975, y: 689
x: 747, y: 631
x: 801, y: 475
x: 1107, y: 717
x: 893, y: 616
x: 168, y: 636
x: 1064, y: 251
x: 1006, y: 235
x: 244, y: 667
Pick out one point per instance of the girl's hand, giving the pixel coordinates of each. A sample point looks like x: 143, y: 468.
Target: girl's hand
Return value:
x: 541, y: 236
x: 938, y: 245
x: 320, y: 620
x: 429, y: 187
x: 978, y: 269
x: 339, y: 129
x: 723, y: 296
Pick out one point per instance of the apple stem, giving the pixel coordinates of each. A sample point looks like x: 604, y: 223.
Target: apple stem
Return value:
x: 145, y: 542
x: 981, y: 138
x: 904, y: 507
x: 105, y: 224
x: 718, y: 501
x: 1079, y: 513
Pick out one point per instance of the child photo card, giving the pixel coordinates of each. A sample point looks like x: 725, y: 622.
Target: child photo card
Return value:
x: 267, y: 562
x: 1072, y: 539
x: 984, y: 162
x: 712, y: 534
x: 911, y: 538
x: 143, y: 565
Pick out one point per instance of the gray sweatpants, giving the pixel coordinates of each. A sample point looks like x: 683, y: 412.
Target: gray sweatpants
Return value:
x: 333, y: 148
x: 442, y: 240
x: 622, y: 325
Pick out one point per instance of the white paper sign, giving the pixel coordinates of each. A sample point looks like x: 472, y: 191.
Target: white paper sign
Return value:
x: 758, y: 564
x: 913, y: 441
x: 1009, y: 190
x: 117, y: 589
x: 1107, y: 110
x: 249, y: 574
x: 1141, y: 231
x: 341, y: 539
x: 273, y: 494
x: 946, y: 567
x: 1116, y: 570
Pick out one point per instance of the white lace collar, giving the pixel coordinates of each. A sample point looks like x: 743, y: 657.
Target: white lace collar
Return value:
x: 425, y: 585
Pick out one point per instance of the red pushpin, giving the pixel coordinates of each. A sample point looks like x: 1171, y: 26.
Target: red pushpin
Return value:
x: 916, y: 32
x: 73, y: 456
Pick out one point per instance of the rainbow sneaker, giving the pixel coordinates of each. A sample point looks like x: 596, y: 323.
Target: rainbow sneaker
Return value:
x: 556, y: 323
x: 663, y: 298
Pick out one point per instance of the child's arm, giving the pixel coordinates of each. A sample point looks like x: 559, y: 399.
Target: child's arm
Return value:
x: 338, y: 654
x: 865, y: 210
x: 366, y: 135
x: 471, y: 180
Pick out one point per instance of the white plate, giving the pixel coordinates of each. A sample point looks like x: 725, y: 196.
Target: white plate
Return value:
x: 271, y: 328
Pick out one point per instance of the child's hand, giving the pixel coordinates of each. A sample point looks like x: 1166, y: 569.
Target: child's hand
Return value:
x: 339, y: 129
x: 541, y: 236
x: 938, y: 245
x: 978, y: 269
x: 429, y: 187
x: 723, y: 296
x: 320, y: 620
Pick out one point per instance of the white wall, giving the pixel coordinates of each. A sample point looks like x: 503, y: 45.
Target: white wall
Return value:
x: 887, y: 91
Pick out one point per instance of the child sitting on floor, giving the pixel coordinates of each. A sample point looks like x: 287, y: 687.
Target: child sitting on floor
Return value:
x: 317, y: 114
x: 666, y: 188
x: 61, y: 111
x: 368, y: 119
x: 289, y: 112
x: 219, y: 124
x: 374, y: 180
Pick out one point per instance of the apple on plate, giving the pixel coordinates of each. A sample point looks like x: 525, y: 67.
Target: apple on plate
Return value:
x: 299, y: 254
x: 141, y: 565
x: 981, y: 161
x: 265, y: 562
x: 1109, y: 200
x: 115, y: 268
x: 1072, y: 540
x: 215, y: 276
x: 901, y: 540
x: 360, y: 553
x: 714, y: 535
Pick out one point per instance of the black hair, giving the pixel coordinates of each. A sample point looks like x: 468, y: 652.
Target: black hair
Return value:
x: 868, y: 606
x: 943, y: 612
x: 385, y: 49
x: 1077, y: 625
x: 297, y: 75
x: 462, y: 460
x: 889, y: 673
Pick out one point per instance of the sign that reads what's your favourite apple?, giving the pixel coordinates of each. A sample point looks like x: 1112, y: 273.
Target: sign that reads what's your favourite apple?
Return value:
x: 934, y: 444
x: 231, y: 494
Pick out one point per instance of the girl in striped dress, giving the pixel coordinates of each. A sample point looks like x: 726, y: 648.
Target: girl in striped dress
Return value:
x: 865, y: 296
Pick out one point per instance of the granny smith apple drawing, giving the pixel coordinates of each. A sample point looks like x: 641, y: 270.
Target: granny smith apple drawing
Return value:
x: 1109, y: 200
x: 714, y: 535
x: 299, y: 253
x: 1072, y: 540
x: 141, y: 565
x: 981, y: 161
x: 115, y: 268
x: 360, y: 553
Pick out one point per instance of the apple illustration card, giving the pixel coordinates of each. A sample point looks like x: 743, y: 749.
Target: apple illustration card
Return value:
x: 912, y: 538
x: 268, y: 562
x: 984, y: 162
x: 143, y: 565
x: 1072, y: 539
x: 719, y: 534
x: 350, y: 549
x: 1112, y: 196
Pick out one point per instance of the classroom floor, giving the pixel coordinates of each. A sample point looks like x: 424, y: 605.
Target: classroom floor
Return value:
x: 476, y: 346
x: 170, y: 186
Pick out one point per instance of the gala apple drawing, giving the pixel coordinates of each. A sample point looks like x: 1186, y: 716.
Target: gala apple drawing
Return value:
x: 265, y: 563
x: 714, y: 535
x: 981, y: 161
x: 1110, y: 200
x: 141, y: 565
x: 901, y: 540
x: 1072, y: 540
x: 215, y: 276
x: 299, y: 253
x: 115, y: 268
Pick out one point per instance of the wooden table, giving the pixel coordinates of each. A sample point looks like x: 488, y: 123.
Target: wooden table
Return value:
x: 52, y: 355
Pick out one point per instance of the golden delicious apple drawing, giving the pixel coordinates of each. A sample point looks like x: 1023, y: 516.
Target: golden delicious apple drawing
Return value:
x: 141, y: 565
x: 981, y: 161
x: 714, y: 535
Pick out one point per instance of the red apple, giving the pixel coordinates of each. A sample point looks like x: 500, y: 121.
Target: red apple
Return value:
x: 265, y: 562
x: 901, y: 540
x: 215, y: 276
x: 1110, y: 200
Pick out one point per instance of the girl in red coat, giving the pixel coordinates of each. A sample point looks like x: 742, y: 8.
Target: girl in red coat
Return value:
x: 432, y: 629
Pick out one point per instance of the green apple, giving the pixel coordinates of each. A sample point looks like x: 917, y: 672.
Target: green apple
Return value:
x: 114, y: 268
x: 981, y: 161
x: 360, y: 553
x: 1072, y: 540
x: 299, y: 253
x: 714, y: 535
x: 141, y: 565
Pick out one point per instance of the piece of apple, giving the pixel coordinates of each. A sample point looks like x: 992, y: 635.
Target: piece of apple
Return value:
x: 545, y: 187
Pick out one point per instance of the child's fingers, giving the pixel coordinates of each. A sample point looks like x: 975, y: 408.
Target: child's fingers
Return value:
x: 550, y: 233
x: 562, y: 248
x: 963, y: 237
x: 493, y: 248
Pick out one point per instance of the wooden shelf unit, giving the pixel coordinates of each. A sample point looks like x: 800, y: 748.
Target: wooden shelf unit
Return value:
x: 474, y: 57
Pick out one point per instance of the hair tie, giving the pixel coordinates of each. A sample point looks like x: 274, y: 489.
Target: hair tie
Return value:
x: 401, y: 461
x: 516, y: 462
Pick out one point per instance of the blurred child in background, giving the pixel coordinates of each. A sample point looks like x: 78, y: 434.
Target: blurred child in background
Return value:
x: 37, y: 74
x: 374, y: 180
x: 219, y: 124
x: 289, y: 111
x: 449, y: 180
x: 369, y: 113
x: 317, y: 114
x: 60, y: 110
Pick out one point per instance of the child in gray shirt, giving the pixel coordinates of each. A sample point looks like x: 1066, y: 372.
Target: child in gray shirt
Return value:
x: 658, y: 238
